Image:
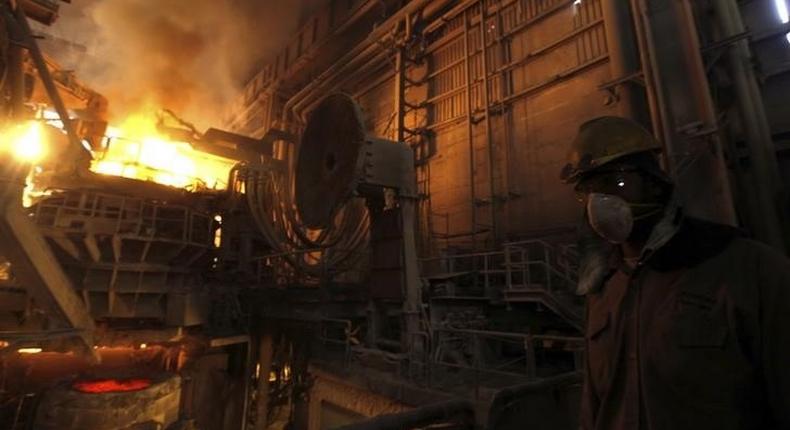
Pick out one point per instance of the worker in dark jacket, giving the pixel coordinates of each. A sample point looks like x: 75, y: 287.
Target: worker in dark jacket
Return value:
x: 688, y: 324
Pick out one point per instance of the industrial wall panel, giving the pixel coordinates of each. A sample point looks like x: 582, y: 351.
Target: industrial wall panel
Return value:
x: 543, y: 126
x: 449, y: 187
x: 378, y: 107
x: 545, y: 62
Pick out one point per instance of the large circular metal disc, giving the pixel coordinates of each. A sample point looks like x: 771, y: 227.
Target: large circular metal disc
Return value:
x: 326, y: 170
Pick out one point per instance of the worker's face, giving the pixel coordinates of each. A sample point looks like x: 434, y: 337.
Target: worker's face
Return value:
x: 621, y: 202
x: 621, y: 181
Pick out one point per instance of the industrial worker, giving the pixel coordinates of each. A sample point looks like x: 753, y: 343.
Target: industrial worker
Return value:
x: 688, y: 323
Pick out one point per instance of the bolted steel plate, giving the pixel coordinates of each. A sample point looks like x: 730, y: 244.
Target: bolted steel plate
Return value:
x: 327, y: 167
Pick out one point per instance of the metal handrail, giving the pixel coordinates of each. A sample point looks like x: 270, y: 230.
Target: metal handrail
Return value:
x: 529, y: 342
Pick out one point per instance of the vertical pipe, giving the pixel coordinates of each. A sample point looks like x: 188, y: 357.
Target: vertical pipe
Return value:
x: 507, y: 122
x: 624, y: 59
x: 412, y: 304
x: 399, y: 95
x: 647, y: 72
x: 690, y: 126
x: 470, y: 128
x: 265, y: 354
x: 487, y: 121
x: 762, y: 151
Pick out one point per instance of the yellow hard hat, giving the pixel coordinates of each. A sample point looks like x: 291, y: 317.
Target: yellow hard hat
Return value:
x: 603, y: 140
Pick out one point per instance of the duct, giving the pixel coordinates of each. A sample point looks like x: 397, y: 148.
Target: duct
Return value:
x: 238, y: 147
x: 762, y: 151
x: 689, y: 123
x: 455, y: 410
x: 377, y: 59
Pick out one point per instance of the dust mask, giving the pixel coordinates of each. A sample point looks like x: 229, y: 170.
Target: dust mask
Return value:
x: 610, y: 217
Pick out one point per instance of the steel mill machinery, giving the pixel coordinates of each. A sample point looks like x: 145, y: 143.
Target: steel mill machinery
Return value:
x: 138, y: 295
x: 111, y: 313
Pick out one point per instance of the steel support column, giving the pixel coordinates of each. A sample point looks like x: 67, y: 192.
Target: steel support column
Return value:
x: 75, y: 153
x: 264, y: 367
x: 34, y: 264
x: 470, y: 128
x: 766, y: 183
x: 690, y: 127
x: 624, y: 60
x: 487, y: 120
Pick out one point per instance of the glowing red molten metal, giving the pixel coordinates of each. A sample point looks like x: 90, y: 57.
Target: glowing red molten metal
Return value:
x: 111, y: 385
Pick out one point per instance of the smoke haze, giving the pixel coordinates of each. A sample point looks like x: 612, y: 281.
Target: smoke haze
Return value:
x: 191, y: 56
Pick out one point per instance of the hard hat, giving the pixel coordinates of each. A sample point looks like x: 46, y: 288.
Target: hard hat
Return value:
x: 603, y: 140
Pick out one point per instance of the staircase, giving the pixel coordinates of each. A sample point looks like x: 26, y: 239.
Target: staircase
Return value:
x: 532, y: 271
x: 537, y: 272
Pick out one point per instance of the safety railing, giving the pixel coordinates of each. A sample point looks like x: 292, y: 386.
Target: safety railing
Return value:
x: 525, y: 267
x: 336, y: 335
x: 303, y: 267
x: 109, y: 214
x: 536, y: 264
x: 484, y: 272
x: 478, y: 358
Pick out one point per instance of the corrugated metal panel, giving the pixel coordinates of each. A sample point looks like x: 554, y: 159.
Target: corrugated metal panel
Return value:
x: 544, y: 62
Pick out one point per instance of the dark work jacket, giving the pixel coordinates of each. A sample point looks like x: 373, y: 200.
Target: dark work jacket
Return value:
x: 696, y: 337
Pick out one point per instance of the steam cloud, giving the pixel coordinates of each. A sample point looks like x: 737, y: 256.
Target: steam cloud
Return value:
x: 191, y: 56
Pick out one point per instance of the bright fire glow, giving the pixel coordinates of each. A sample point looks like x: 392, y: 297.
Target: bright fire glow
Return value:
x: 111, y: 385
x: 29, y: 350
x: 784, y: 13
x: 137, y: 150
x: 25, y: 141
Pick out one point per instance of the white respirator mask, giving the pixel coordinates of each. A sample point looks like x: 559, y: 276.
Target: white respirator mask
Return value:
x: 613, y: 218
x: 610, y: 217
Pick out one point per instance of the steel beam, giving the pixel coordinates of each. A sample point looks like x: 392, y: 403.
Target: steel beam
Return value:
x: 766, y: 184
x: 37, y: 268
x: 690, y: 126
x: 624, y: 60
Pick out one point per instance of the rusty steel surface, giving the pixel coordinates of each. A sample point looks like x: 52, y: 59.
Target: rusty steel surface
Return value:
x: 125, y: 254
x: 35, y: 265
x: 329, y: 154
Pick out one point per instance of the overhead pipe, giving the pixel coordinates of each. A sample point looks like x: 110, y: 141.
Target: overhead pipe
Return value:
x: 333, y: 85
x: 367, y: 46
x: 767, y: 182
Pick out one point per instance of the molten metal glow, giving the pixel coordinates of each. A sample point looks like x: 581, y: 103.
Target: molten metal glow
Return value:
x: 29, y: 350
x: 25, y: 141
x: 111, y: 385
x: 137, y: 150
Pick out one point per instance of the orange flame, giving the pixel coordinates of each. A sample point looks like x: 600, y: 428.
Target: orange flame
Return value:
x: 137, y: 150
